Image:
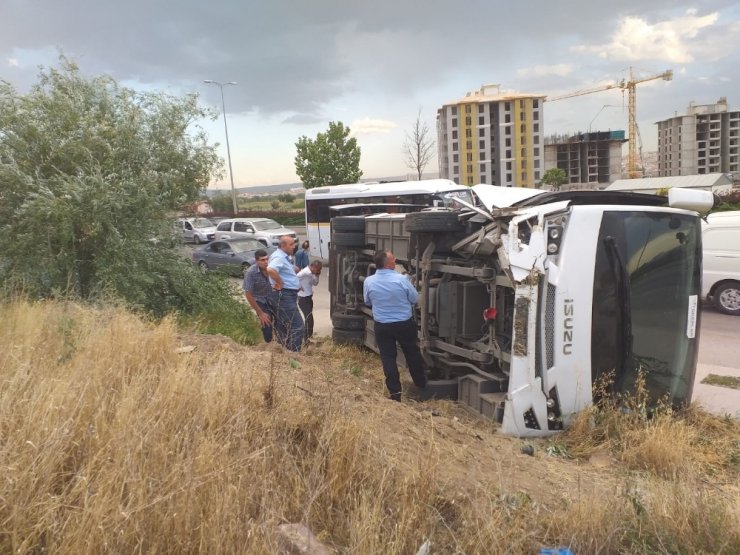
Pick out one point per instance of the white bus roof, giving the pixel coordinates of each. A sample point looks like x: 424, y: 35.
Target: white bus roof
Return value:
x: 373, y: 189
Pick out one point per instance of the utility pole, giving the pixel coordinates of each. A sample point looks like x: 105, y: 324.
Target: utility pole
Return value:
x: 226, y: 131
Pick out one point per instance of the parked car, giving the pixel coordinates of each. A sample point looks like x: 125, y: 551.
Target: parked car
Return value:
x: 196, y: 230
x: 233, y: 257
x: 721, y: 264
x: 265, y: 230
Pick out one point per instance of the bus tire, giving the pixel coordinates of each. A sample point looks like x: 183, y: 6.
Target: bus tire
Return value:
x: 348, y: 223
x: 432, y: 221
x: 348, y: 337
x: 348, y: 321
x: 347, y: 239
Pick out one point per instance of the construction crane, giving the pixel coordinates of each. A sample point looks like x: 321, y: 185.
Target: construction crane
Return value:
x: 630, y: 86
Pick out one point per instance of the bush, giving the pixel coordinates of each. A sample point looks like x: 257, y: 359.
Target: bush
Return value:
x: 730, y: 201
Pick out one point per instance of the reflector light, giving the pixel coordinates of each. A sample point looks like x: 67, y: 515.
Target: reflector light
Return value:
x: 489, y: 314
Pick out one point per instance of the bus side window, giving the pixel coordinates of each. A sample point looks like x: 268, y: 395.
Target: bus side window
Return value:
x: 322, y: 213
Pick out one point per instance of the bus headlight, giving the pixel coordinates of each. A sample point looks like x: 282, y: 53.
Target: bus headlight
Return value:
x: 555, y: 226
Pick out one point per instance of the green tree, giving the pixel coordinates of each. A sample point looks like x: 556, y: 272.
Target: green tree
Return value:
x: 89, y: 174
x: 222, y: 203
x: 555, y: 178
x: 331, y: 159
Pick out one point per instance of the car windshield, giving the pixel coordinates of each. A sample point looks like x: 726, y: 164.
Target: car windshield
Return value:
x: 202, y: 222
x: 647, y: 273
x: 246, y: 245
x: 266, y: 224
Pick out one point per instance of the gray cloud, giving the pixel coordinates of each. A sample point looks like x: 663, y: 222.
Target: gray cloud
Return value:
x: 295, y: 57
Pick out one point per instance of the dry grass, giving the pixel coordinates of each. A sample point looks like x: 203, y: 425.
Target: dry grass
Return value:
x: 111, y: 441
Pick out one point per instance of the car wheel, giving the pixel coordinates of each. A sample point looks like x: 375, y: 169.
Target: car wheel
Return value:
x: 348, y: 321
x: 196, y: 239
x: 245, y: 267
x: 203, y: 267
x: 727, y: 298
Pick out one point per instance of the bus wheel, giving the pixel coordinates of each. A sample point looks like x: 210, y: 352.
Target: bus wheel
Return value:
x: 348, y: 321
x: 432, y: 221
x: 348, y: 223
x: 348, y: 337
x: 347, y: 239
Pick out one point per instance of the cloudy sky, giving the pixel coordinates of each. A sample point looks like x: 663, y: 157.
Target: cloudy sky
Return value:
x: 302, y: 63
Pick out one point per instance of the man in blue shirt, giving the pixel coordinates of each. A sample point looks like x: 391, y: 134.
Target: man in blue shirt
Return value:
x: 392, y: 298
x: 301, y: 257
x: 288, y: 323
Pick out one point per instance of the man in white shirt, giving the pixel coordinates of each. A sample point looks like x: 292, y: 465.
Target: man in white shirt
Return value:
x: 308, y: 277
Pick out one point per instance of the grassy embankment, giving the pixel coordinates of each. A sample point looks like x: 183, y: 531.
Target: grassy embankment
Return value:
x: 113, y: 441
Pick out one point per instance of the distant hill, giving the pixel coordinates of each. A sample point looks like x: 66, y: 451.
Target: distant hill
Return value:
x: 256, y: 189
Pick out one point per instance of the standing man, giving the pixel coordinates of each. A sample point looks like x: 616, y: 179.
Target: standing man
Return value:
x: 392, y: 298
x: 257, y: 289
x: 308, y: 277
x: 301, y: 257
x: 288, y: 323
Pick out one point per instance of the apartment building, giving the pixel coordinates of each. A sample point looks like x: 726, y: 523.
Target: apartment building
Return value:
x: 704, y: 140
x: 492, y: 137
x: 593, y: 158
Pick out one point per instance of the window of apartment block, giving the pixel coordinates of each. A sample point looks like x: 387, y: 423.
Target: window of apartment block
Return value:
x: 508, y: 154
x: 467, y: 109
x: 535, y: 116
x: 482, y: 168
x: 536, y: 128
x: 536, y: 163
x: 536, y: 151
x: 482, y: 132
x: 508, y: 166
x: 481, y: 108
x: 524, y: 176
x: 524, y: 164
x: 454, y: 110
x: 469, y: 145
x: 508, y: 177
x: 469, y: 156
x: 536, y: 139
x: 523, y: 128
x: 456, y: 158
x: 470, y: 168
x: 467, y: 121
x: 454, y: 135
x: 523, y: 140
x: 508, y: 142
x: 536, y: 176
x: 507, y: 118
x: 536, y: 103
x: 454, y: 122
x: 508, y: 130
x: 521, y: 103
x: 483, y: 178
x: 456, y: 180
x: 482, y: 145
x: 454, y: 146
x: 507, y: 106
x: 470, y: 180
x: 481, y: 120
x: 455, y: 169
x: 468, y: 132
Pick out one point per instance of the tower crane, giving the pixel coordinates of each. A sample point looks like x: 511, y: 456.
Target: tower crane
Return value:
x: 629, y: 85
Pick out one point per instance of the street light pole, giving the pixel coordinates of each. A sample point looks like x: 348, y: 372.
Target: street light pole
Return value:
x: 226, y: 130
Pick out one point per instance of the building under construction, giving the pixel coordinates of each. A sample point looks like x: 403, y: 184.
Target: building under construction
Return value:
x: 704, y: 140
x: 590, y: 160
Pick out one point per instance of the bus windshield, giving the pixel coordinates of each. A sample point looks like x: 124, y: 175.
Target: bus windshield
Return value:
x: 647, y: 272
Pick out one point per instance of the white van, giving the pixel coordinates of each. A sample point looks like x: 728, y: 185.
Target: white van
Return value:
x: 721, y: 274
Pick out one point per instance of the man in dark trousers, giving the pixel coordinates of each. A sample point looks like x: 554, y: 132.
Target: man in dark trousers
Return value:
x: 257, y: 289
x: 392, y: 298
x: 287, y: 321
